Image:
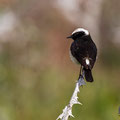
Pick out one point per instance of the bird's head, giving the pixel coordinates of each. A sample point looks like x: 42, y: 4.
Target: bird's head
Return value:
x: 78, y: 33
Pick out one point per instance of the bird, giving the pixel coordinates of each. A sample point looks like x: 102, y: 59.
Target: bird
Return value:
x: 83, y: 51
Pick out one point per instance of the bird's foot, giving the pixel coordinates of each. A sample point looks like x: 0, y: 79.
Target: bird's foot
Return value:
x: 81, y: 80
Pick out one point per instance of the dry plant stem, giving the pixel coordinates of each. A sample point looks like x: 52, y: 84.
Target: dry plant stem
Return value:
x: 67, y: 111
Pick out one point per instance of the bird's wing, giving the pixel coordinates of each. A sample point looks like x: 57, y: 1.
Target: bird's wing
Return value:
x: 92, y: 51
x: 77, y: 50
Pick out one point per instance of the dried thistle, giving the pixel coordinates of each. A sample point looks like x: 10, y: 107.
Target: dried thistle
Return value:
x: 67, y: 111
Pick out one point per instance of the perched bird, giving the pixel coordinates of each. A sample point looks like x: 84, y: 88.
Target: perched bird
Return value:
x: 83, y: 51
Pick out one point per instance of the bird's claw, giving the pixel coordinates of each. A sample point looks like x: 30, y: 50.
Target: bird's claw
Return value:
x: 81, y: 81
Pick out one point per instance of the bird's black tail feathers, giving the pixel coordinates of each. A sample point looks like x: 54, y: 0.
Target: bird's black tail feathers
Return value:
x: 88, y: 75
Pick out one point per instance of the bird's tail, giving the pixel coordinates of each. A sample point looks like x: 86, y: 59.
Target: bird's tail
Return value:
x: 88, y: 75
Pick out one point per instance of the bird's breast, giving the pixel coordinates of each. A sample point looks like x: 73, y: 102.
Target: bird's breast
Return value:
x: 73, y: 58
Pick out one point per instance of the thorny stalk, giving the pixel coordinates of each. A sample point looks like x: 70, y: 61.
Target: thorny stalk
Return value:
x: 67, y: 111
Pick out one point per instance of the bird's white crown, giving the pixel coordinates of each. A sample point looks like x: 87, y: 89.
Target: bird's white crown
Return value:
x: 81, y: 30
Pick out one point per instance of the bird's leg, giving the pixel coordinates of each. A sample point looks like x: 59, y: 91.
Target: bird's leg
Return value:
x: 81, y: 78
x: 80, y: 74
x: 81, y: 69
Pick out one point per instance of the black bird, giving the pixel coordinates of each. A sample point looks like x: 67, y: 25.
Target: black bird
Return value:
x: 83, y: 51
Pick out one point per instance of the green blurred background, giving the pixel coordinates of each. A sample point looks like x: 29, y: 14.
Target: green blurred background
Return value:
x: 37, y: 77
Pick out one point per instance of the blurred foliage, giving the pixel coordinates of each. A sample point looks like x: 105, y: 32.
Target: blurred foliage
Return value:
x: 110, y: 57
x: 37, y: 77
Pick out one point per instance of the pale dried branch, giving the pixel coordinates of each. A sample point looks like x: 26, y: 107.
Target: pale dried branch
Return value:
x: 67, y: 111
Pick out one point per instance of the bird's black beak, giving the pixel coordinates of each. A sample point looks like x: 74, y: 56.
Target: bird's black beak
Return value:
x: 69, y: 37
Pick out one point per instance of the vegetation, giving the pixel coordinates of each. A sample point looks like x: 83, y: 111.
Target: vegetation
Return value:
x: 37, y: 77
